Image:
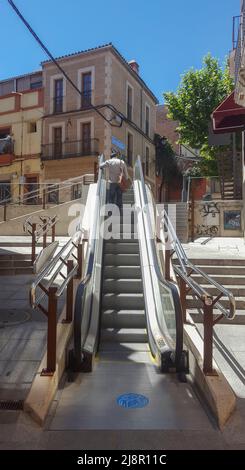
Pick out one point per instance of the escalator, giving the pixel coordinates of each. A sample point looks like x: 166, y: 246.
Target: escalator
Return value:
x: 128, y: 332
x: 125, y: 307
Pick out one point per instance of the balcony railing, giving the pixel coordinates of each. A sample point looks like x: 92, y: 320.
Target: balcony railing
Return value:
x: 58, y: 104
x: 70, y: 149
x: 86, y: 99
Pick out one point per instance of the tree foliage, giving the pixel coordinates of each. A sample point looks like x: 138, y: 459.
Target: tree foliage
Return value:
x: 166, y: 162
x: 199, y: 93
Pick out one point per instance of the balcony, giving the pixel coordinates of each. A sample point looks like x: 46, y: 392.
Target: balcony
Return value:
x: 58, y: 104
x: 70, y: 149
x: 86, y: 99
x: 6, y: 151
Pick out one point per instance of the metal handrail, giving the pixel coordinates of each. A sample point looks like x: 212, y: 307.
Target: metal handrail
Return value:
x: 56, y: 264
x: 185, y: 264
x: 166, y: 284
x: 84, y: 283
x: 49, y: 189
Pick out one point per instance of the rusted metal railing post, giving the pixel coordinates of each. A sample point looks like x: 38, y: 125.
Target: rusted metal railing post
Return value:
x: 69, y: 294
x: 182, y: 286
x: 208, y: 338
x: 53, y: 228
x: 167, y: 264
x: 45, y: 226
x: 52, y: 332
x: 44, y: 198
x: 5, y: 212
x: 95, y: 172
x: 33, y: 243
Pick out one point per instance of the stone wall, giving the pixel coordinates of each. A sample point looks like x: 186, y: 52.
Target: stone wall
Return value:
x: 218, y: 218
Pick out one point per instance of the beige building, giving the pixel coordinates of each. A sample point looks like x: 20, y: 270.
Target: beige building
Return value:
x: 74, y: 129
x: 21, y: 112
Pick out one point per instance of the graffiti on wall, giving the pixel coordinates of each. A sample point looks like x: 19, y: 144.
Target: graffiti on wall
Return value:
x: 209, y: 215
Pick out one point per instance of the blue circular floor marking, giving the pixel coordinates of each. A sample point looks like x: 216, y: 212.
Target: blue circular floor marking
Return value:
x: 132, y: 400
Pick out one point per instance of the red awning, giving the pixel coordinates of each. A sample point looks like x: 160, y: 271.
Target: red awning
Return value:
x: 229, y: 116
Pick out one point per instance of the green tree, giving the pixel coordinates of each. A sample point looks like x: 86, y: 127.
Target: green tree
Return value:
x: 199, y: 93
x: 166, y: 162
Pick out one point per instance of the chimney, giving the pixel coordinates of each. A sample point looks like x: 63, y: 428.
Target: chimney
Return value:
x: 134, y: 65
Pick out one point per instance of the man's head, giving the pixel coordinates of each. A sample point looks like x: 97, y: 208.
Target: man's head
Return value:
x: 113, y: 154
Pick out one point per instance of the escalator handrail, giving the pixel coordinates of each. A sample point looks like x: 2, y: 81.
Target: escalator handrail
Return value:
x: 167, y: 284
x: 78, y: 308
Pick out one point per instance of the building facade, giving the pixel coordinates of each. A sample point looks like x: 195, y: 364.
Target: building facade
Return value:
x: 59, y: 121
x: 74, y: 129
x: 21, y: 113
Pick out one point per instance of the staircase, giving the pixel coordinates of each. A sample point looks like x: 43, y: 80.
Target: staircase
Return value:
x: 123, y: 316
x: 12, y: 264
x: 230, y: 173
x: 228, y: 272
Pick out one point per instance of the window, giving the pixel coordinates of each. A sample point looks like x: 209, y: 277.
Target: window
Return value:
x: 147, y: 119
x: 57, y: 141
x: 86, y: 89
x: 77, y: 191
x: 86, y: 138
x: 129, y: 102
x: 35, y: 85
x: 130, y: 149
x: 53, y: 193
x: 58, y: 96
x: 147, y: 161
x: 5, y: 132
x: 32, y: 127
x: 5, y: 190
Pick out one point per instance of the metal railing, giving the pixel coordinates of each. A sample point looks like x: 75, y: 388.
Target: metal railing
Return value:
x: 70, y: 149
x: 39, y: 230
x: 86, y: 99
x: 187, y: 284
x: 71, y: 257
x: 47, y: 194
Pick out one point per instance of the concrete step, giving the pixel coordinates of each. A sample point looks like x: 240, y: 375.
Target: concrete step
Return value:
x: 221, y: 270
x: 123, y: 286
x: 195, y: 303
x: 121, y: 260
x: 216, y: 262
x: 239, y: 319
x: 223, y: 279
x: 122, y: 248
x: 236, y: 290
x: 6, y: 256
x: 123, y: 319
x: 127, y: 348
x: 122, y: 272
x: 124, y: 335
x: 16, y: 271
x: 12, y: 263
x: 123, y: 301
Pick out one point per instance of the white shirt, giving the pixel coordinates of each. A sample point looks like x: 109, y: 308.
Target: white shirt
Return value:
x: 116, y: 167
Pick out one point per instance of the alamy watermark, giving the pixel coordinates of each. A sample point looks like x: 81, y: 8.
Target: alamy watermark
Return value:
x: 131, y: 222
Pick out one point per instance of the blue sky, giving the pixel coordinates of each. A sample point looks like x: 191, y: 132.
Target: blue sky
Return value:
x: 166, y: 37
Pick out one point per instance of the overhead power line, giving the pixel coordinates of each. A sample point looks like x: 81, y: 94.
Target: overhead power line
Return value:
x: 98, y: 108
x: 45, y: 49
